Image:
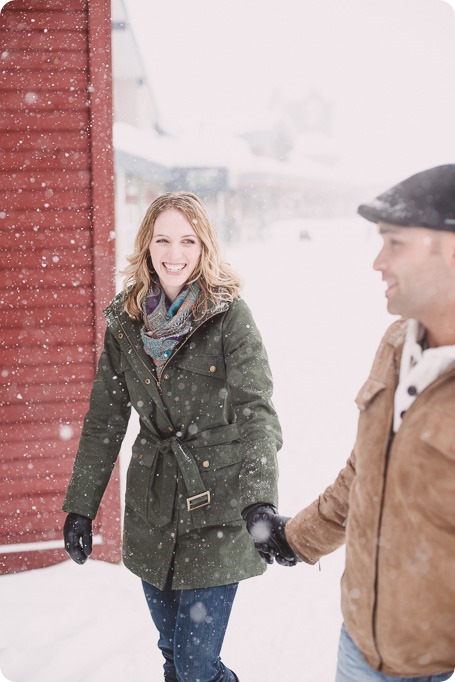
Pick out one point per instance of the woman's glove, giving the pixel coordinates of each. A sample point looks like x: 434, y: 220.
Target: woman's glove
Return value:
x: 77, y: 533
x: 266, y: 527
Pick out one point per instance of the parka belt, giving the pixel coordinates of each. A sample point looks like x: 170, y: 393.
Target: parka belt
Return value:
x: 197, y: 495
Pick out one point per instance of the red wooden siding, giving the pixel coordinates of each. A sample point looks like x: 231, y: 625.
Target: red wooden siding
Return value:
x: 57, y: 259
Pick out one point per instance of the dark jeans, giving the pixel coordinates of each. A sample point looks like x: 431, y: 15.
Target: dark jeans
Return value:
x: 192, y: 624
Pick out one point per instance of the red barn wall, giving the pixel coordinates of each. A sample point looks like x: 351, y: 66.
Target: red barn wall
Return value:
x: 57, y: 262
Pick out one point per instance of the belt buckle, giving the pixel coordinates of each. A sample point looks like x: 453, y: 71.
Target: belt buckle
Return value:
x: 192, y: 502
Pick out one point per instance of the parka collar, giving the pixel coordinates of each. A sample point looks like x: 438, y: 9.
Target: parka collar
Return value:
x: 128, y: 334
x: 115, y: 309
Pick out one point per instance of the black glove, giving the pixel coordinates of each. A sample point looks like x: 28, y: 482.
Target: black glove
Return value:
x: 266, y: 527
x: 77, y: 533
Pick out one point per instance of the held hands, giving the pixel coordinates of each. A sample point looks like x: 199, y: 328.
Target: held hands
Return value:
x: 266, y: 527
x: 77, y: 533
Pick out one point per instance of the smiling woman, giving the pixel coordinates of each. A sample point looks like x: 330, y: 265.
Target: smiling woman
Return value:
x: 175, y: 250
x: 182, y: 348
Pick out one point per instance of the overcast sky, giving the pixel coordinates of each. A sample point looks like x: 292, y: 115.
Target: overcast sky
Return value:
x: 387, y: 67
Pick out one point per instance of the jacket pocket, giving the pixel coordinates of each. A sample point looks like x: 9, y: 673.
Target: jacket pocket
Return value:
x: 438, y: 432
x: 141, y: 472
x: 373, y: 428
x: 370, y: 389
x: 219, y: 467
x: 431, y: 480
x: 205, y: 365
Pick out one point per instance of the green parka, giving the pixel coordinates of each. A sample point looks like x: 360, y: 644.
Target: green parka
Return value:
x: 206, y: 448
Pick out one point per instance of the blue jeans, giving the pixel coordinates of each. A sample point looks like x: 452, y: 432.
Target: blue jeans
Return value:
x: 192, y: 624
x: 352, y: 666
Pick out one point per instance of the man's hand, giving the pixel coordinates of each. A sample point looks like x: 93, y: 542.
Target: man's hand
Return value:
x: 266, y: 527
x: 77, y: 533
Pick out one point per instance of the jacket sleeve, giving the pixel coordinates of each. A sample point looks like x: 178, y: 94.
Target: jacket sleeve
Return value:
x: 103, y: 431
x: 320, y: 528
x: 250, y: 386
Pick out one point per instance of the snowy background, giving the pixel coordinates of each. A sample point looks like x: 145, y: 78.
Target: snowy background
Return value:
x: 321, y: 310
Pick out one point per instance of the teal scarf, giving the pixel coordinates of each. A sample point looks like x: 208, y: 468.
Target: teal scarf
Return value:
x: 165, y: 325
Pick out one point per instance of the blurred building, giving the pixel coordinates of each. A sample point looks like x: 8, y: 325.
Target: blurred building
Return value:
x: 282, y: 167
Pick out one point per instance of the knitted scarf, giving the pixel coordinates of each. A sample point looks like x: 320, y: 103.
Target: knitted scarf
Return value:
x: 165, y: 325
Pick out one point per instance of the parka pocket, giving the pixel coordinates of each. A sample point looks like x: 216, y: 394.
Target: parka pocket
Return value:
x: 219, y: 467
x: 205, y: 365
x: 141, y: 472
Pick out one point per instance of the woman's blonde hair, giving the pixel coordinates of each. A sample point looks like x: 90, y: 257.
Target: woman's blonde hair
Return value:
x: 217, y: 281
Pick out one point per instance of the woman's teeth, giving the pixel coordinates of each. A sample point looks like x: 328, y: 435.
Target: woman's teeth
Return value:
x: 174, y: 268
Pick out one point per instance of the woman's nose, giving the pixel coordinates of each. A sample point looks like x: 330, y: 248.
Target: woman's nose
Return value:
x: 174, y: 251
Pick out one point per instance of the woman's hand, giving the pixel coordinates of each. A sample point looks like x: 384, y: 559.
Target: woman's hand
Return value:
x: 266, y: 527
x: 77, y: 533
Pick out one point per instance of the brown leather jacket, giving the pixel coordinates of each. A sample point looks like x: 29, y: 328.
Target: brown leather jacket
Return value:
x: 394, y: 506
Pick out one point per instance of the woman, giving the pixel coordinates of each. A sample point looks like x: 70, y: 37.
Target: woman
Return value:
x: 181, y: 347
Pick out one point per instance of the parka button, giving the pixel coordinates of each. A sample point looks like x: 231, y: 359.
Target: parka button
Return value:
x: 412, y: 390
x: 120, y: 335
x: 166, y: 376
x: 146, y: 381
x: 213, y: 368
x: 206, y: 463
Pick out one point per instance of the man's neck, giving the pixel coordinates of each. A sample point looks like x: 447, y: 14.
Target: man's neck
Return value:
x: 440, y: 335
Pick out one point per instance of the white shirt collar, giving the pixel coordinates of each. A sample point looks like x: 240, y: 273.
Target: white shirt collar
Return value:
x: 418, y: 369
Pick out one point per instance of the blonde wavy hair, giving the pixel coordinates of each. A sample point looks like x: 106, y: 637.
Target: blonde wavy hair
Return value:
x: 217, y: 281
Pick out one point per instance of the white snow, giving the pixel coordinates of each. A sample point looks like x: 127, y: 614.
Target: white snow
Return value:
x: 321, y: 310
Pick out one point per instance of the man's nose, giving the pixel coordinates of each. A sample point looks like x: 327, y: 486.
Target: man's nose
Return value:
x: 379, y: 262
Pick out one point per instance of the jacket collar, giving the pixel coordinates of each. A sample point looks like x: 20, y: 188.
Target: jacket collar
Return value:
x: 397, y: 333
x: 115, y: 310
x: 128, y: 334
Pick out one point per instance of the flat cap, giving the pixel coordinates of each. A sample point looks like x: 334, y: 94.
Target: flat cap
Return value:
x: 426, y: 199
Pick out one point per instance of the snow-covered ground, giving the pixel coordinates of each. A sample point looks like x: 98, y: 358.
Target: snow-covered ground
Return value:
x: 321, y: 311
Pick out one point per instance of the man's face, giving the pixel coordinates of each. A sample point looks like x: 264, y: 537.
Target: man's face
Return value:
x: 415, y: 264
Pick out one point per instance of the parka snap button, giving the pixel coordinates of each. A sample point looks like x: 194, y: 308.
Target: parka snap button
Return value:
x: 166, y: 376
x: 120, y: 336
x: 206, y: 463
x: 213, y: 368
x: 146, y: 381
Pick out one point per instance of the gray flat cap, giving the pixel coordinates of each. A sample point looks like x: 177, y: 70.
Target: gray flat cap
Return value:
x: 426, y: 199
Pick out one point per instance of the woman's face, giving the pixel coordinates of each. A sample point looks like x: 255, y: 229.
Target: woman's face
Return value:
x: 175, y: 251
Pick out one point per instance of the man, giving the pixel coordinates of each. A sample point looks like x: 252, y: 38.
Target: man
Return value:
x: 394, y: 502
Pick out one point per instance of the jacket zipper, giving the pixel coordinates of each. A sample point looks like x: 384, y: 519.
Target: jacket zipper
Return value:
x: 378, y: 546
